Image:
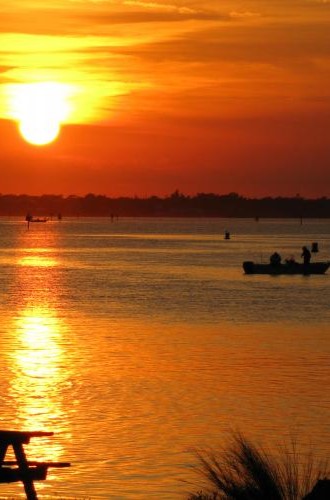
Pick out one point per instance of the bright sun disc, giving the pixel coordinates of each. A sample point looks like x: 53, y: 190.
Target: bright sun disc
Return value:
x: 39, y: 131
x: 40, y: 108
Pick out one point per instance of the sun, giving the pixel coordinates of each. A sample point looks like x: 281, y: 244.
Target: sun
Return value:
x: 39, y: 131
x: 40, y: 109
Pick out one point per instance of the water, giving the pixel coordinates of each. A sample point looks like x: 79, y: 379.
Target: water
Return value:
x: 139, y: 340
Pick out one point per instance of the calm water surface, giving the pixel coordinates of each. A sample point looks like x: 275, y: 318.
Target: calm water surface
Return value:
x: 139, y: 340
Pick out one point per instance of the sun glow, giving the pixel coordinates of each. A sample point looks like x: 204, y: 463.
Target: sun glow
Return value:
x: 40, y: 109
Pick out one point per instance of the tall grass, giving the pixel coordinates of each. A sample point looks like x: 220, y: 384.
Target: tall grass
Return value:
x: 244, y: 471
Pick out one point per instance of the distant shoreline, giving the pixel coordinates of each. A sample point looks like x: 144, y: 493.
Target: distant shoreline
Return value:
x: 153, y: 216
x: 230, y: 205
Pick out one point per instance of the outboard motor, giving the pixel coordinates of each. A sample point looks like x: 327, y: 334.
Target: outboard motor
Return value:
x: 315, y: 247
x: 248, y: 266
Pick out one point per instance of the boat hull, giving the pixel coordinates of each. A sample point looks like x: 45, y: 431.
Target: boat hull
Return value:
x: 294, y: 268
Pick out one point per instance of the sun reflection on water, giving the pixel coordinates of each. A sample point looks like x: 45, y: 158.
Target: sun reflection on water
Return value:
x: 36, y: 362
x: 39, y: 353
x: 37, y: 261
x: 37, y: 356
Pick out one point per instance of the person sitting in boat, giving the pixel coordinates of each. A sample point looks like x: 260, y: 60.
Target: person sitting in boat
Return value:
x: 290, y: 261
x: 306, y: 255
x: 275, y: 259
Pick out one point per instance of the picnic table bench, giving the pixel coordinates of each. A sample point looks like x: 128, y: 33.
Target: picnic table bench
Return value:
x: 22, y: 469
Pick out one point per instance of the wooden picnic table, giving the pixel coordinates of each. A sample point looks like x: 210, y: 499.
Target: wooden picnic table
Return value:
x: 22, y: 469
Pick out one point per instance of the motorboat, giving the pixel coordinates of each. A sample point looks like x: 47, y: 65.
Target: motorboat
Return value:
x: 289, y: 267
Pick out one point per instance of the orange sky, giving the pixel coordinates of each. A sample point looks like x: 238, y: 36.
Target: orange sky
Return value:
x: 195, y: 95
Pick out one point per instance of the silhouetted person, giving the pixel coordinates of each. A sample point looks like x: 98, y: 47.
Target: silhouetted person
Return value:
x: 227, y: 235
x: 306, y: 255
x: 28, y: 219
x: 275, y: 259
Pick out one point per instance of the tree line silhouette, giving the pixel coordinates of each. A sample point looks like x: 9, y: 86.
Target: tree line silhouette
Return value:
x: 174, y: 205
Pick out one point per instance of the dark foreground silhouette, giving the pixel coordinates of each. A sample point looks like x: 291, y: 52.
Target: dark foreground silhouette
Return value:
x: 245, y: 471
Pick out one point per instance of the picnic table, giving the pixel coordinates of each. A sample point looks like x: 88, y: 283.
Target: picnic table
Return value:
x: 22, y: 469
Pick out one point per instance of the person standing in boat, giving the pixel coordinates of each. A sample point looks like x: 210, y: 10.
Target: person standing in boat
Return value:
x: 275, y: 259
x: 306, y: 255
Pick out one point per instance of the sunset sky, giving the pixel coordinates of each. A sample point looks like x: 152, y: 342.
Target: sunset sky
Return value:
x: 149, y: 97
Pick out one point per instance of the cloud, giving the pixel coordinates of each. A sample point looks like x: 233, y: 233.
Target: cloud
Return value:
x: 4, y: 69
x: 161, y: 6
x: 80, y: 21
x: 148, y: 14
x: 270, y: 43
x: 243, y: 14
x: 172, y: 48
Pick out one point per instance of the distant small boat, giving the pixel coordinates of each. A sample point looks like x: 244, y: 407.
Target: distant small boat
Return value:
x: 287, y: 268
x: 29, y: 218
x: 38, y: 219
